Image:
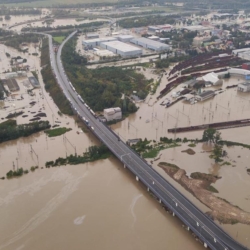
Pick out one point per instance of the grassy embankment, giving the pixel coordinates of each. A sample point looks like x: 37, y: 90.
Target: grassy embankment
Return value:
x: 58, y: 39
x: 51, y: 85
x: 56, y: 131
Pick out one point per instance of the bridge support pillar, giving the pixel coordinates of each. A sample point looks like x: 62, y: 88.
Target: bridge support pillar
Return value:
x: 160, y: 201
x: 148, y: 189
x: 124, y: 165
x: 137, y: 178
x: 173, y: 214
x: 188, y: 228
x: 205, y: 245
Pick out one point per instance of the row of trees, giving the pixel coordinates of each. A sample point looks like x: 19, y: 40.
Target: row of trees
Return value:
x: 93, y: 153
x: 51, y: 85
x: 145, y: 21
x: 9, y: 130
x: 16, y: 40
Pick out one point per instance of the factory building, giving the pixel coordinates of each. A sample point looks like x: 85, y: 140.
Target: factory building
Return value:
x: 97, y: 41
x: 155, y: 38
x: 112, y: 114
x: 92, y: 36
x: 212, y: 78
x: 34, y: 82
x: 124, y: 38
x: 122, y: 49
x: 244, y: 87
x: 150, y: 44
x: 205, y: 95
x: 159, y: 28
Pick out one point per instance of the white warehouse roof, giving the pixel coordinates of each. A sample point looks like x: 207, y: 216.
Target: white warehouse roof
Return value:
x: 196, y: 28
x: 239, y: 71
x: 124, y: 47
x: 125, y: 37
x: 111, y: 111
x: 211, y: 77
x: 150, y: 43
x: 97, y: 41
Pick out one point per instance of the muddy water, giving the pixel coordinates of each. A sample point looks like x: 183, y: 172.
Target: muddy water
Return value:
x: 97, y: 205
x: 152, y: 121
x: 56, y: 23
x: 229, y: 105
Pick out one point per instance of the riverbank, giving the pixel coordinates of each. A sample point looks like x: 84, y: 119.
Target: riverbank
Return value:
x: 199, y: 186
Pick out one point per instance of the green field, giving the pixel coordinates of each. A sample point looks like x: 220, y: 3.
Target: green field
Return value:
x: 58, y: 39
x: 56, y: 131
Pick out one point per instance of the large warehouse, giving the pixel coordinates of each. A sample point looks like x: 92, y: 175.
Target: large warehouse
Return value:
x: 123, y: 49
x: 150, y: 44
x: 97, y: 41
x: 124, y: 38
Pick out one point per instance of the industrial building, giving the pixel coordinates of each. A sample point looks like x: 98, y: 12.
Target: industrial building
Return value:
x: 244, y: 87
x: 92, y: 36
x: 97, y: 41
x: 12, y: 85
x: 198, y: 41
x: 159, y: 28
x: 196, y: 28
x: 212, y: 78
x: 150, y: 44
x: 112, y: 114
x: 205, y: 95
x: 246, y: 66
x: 122, y: 49
x: 124, y: 38
x: 155, y: 38
x: 34, y: 82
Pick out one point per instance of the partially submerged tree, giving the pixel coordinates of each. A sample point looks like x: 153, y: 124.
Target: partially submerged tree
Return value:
x: 217, y: 153
x: 211, y: 135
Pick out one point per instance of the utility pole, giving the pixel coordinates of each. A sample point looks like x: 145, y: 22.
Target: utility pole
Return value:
x: 178, y: 111
x: 175, y: 124
x: 33, y: 151
x: 74, y: 147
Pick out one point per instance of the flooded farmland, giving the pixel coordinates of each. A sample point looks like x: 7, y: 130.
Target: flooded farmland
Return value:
x: 96, y: 205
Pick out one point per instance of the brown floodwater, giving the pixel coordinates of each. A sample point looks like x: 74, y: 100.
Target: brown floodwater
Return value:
x: 96, y: 205
x: 99, y: 205
x: 152, y: 120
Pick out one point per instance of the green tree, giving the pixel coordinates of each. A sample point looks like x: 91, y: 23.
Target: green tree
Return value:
x: 211, y: 135
x: 217, y: 153
x: 1, y: 94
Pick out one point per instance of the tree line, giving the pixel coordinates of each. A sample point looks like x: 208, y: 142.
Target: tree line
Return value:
x: 50, y: 83
x: 9, y: 130
x: 146, y: 21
